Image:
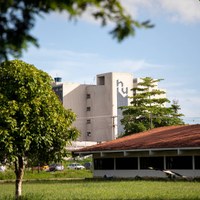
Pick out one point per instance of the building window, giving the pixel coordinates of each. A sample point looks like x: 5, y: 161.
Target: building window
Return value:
x: 88, y: 108
x: 58, y: 79
x: 89, y: 134
x: 88, y: 96
x: 179, y: 162
x: 197, y: 162
x: 104, y: 163
x: 88, y: 121
x: 155, y: 162
x: 101, y: 80
x: 127, y: 163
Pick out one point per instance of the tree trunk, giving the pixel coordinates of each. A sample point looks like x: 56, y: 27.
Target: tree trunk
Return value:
x: 19, y: 172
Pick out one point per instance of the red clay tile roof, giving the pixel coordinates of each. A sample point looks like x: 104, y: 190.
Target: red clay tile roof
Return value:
x: 164, y: 137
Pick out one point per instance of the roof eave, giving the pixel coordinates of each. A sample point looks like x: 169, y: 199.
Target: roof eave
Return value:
x: 151, y: 151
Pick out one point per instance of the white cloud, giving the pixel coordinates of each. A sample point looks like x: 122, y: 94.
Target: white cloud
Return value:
x: 70, y: 64
x: 186, y: 11
x: 188, y: 98
x: 190, y: 105
x: 182, y: 11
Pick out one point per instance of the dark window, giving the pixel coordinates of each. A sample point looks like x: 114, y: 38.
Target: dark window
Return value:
x: 179, y: 162
x: 88, y: 96
x: 88, y: 108
x: 101, y: 80
x: 135, y: 80
x: 154, y: 162
x: 89, y: 134
x: 58, y: 79
x: 127, y: 163
x: 88, y: 121
x: 197, y: 162
x: 104, y: 163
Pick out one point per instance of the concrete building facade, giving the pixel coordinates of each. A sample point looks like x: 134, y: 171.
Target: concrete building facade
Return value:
x: 97, y: 106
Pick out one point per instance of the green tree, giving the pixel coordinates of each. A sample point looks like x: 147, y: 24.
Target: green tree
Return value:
x: 17, y: 18
x: 176, y: 116
x: 34, y: 126
x: 148, y: 108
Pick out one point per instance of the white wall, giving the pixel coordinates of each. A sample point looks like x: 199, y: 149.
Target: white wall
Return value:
x: 74, y: 98
x: 122, y: 85
x: 101, y: 110
x: 143, y: 173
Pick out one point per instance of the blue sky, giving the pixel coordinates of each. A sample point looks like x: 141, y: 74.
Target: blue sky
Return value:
x: 77, y: 51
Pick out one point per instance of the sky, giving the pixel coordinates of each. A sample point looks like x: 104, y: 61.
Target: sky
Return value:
x: 79, y: 50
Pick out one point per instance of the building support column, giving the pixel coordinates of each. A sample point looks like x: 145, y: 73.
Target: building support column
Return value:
x: 193, y: 162
x: 138, y: 163
x: 164, y: 162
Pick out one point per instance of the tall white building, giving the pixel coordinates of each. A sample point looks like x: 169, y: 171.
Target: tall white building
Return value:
x: 97, y: 106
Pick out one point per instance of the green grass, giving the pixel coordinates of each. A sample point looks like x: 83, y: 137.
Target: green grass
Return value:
x: 104, y: 190
x: 48, y: 175
x: 58, y: 174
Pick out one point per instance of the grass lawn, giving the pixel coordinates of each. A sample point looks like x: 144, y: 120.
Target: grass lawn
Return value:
x: 28, y: 175
x: 105, y: 189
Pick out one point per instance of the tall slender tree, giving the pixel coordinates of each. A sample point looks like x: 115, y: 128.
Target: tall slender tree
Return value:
x: 34, y: 126
x: 148, y: 108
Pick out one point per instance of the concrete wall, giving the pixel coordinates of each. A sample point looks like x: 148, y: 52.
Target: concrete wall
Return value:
x: 100, y: 114
x: 97, y: 106
x: 142, y: 173
x: 117, y: 88
x: 122, y: 84
x: 74, y: 98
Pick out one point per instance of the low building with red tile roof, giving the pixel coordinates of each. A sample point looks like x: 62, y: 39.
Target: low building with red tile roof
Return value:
x: 172, y: 150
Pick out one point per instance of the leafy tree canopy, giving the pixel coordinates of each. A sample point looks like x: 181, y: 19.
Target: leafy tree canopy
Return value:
x: 148, y: 108
x: 17, y: 18
x: 34, y: 126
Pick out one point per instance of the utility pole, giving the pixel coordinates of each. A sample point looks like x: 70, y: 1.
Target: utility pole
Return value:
x: 113, y: 127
